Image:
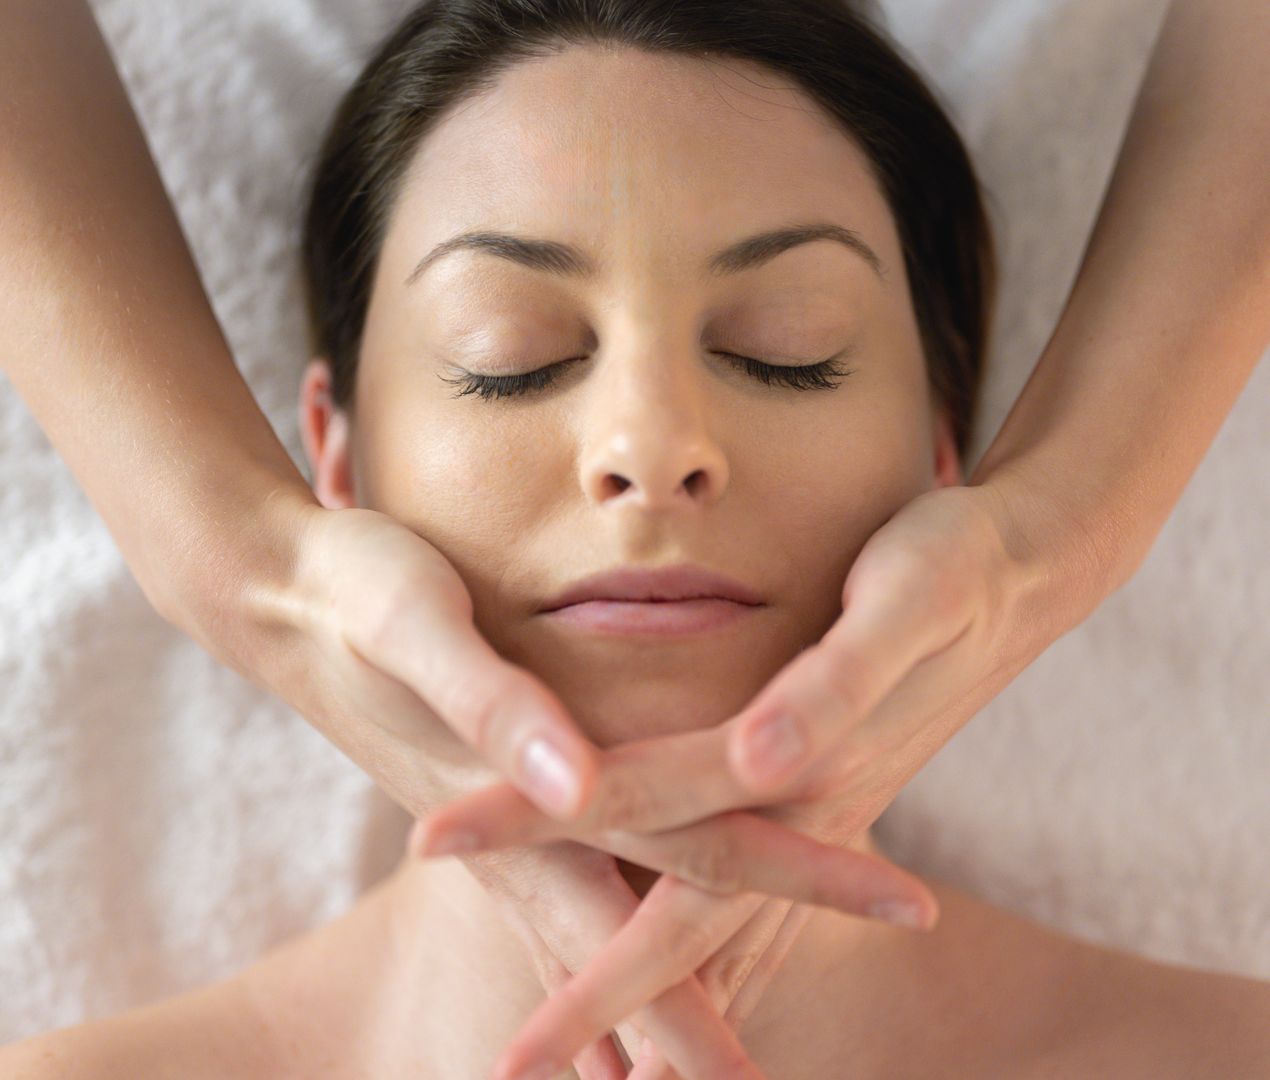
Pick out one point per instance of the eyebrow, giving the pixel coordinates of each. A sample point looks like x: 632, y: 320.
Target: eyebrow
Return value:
x: 564, y: 260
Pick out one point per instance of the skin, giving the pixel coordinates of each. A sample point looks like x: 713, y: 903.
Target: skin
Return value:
x: 426, y: 971
x: 648, y: 321
x: 422, y: 981
x: 524, y: 495
x: 1165, y: 321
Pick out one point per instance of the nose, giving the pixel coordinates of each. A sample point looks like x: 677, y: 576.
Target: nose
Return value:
x: 648, y: 438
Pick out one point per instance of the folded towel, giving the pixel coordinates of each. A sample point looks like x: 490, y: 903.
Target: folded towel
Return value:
x: 164, y: 821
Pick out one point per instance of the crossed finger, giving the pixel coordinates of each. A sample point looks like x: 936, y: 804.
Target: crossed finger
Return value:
x: 599, y: 1061
x: 734, y: 852
x: 737, y: 976
x: 683, y: 1021
x: 688, y: 926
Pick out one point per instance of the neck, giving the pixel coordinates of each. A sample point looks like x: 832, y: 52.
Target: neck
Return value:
x: 442, y: 977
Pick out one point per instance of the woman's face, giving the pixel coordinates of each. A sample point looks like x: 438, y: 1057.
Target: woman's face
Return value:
x: 651, y: 447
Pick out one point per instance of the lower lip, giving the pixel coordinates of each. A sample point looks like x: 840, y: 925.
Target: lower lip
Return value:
x: 654, y: 617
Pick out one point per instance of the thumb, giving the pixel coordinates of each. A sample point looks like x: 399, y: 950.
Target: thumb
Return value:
x: 417, y: 626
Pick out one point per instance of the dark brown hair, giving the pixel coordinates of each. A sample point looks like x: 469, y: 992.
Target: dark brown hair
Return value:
x: 446, y: 50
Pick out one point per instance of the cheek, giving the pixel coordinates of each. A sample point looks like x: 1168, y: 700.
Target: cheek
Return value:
x: 840, y: 481
x: 468, y: 487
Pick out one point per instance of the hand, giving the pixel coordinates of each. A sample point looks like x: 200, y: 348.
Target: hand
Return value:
x: 373, y: 640
x: 676, y: 930
x: 737, y: 976
x: 688, y: 930
x: 565, y: 902
x: 853, y: 881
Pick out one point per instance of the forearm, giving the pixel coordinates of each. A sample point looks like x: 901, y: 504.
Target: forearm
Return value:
x: 108, y: 336
x: 1171, y: 308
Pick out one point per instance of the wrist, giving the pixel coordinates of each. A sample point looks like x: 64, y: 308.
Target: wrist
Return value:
x: 234, y: 594
x: 1065, y: 561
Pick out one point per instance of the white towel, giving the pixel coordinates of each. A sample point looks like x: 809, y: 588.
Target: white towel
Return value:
x: 164, y: 821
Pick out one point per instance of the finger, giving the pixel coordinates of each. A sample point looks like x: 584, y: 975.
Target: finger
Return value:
x: 647, y: 785
x: 732, y: 853
x: 888, y: 626
x: 740, y: 852
x: 682, y: 1021
x: 742, y: 963
x: 500, y: 710
x: 601, y: 1059
x: 687, y: 1054
x: 673, y: 932
x: 724, y: 973
x: 752, y: 989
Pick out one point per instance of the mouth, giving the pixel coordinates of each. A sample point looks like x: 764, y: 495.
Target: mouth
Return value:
x: 683, y: 583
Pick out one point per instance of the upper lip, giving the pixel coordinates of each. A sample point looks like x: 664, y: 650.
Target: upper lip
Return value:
x: 682, y: 582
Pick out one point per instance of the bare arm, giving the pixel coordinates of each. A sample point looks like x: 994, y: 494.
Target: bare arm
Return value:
x: 1171, y: 309
x: 109, y: 338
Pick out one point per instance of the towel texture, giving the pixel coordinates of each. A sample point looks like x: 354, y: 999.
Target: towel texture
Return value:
x: 164, y: 821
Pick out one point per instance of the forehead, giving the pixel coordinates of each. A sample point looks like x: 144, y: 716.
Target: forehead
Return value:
x: 650, y: 153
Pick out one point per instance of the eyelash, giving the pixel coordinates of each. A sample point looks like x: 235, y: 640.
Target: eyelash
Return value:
x: 807, y: 377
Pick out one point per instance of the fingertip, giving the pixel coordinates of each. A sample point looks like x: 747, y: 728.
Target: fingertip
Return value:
x: 556, y: 773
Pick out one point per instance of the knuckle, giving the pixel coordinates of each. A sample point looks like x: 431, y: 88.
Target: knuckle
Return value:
x: 847, y: 685
x: 469, y: 706
x: 728, y: 975
x: 946, y: 593
x: 378, y: 618
x: 714, y: 863
x: 689, y: 941
x: 735, y: 1063
x: 624, y: 804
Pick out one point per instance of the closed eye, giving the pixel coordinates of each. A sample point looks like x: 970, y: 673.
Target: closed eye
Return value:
x: 818, y: 376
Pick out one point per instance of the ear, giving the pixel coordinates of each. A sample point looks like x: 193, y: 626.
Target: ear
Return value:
x: 948, y: 471
x: 325, y: 430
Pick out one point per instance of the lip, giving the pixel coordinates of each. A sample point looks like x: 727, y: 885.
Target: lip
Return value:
x: 653, y: 618
x: 664, y: 585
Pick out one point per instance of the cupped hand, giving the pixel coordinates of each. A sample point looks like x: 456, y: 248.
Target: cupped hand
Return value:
x: 380, y: 652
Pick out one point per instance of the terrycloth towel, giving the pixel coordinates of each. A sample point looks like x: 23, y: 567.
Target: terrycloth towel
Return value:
x: 164, y: 821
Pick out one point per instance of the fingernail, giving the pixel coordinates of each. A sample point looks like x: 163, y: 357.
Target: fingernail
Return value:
x: 549, y: 775
x: 905, y: 913
x: 453, y: 843
x: 775, y: 745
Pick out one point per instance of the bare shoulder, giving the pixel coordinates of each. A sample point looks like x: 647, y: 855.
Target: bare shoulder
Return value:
x: 1130, y: 1016
x: 1056, y: 1007
x: 180, y: 1037
x: 1201, y: 1023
